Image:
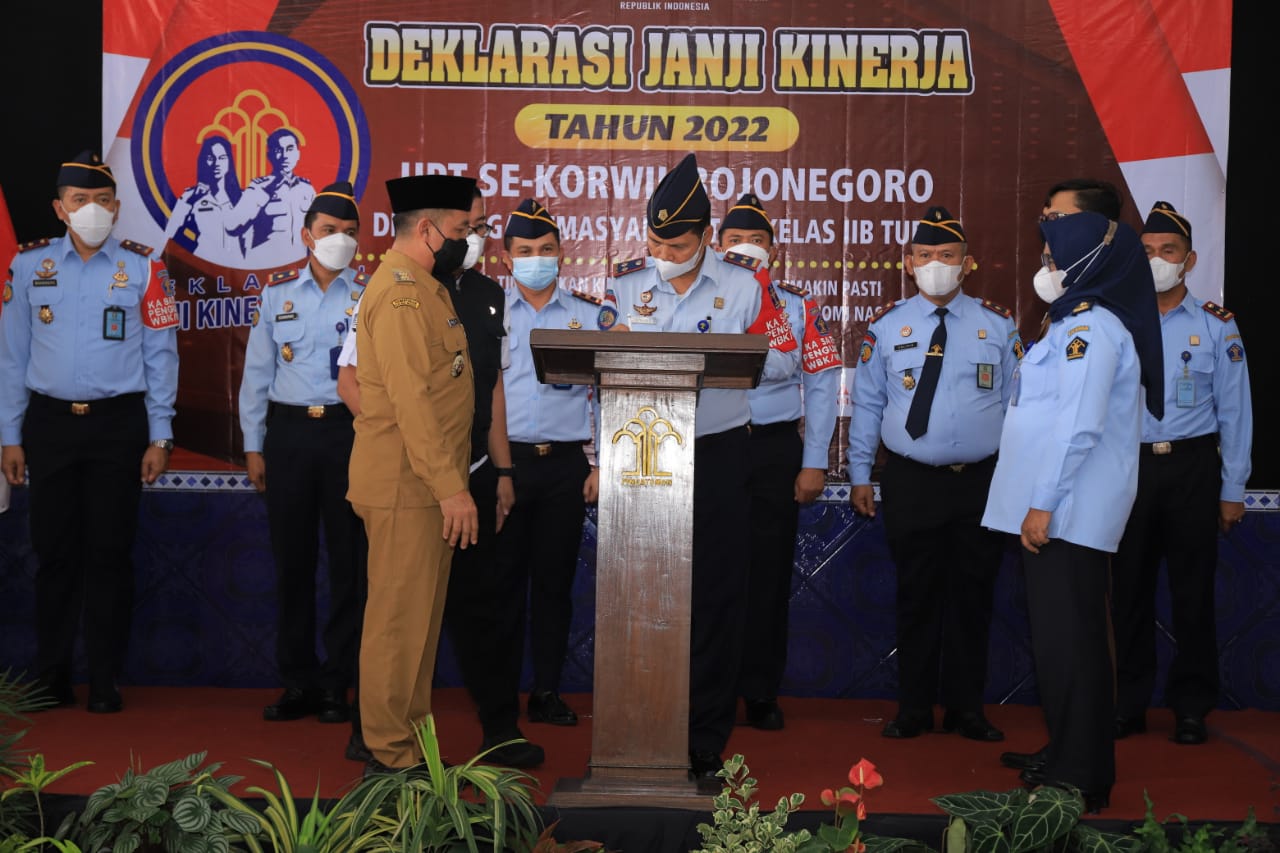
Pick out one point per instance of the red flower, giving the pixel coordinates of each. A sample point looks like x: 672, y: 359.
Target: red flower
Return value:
x: 864, y: 775
x: 862, y: 810
x: 828, y: 797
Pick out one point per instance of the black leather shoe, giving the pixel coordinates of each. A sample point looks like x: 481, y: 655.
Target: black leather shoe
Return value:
x: 906, y: 726
x: 356, y: 750
x: 1126, y: 726
x: 1025, y: 760
x: 1190, y: 731
x: 764, y: 714
x: 333, y: 707
x: 1094, y: 801
x: 1033, y: 776
x: 546, y: 706
x: 105, y: 700
x: 971, y: 724
x: 511, y: 749
x: 704, y: 765
x: 294, y: 704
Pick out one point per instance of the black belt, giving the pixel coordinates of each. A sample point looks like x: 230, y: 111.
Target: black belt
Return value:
x: 726, y: 433
x: 767, y: 430
x: 1182, y: 445
x: 104, y: 406
x: 526, y: 450
x: 956, y: 467
x: 315, y: 413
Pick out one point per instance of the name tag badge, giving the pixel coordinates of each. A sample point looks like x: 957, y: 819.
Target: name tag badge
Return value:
x: 113, y: 324
x: 334, y: 352
x: 1186, y: 393
x: 637, y: 320
x: 986, y: 376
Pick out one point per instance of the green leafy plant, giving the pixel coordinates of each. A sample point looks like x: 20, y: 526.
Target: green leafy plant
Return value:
x: 279, y: 828
x: 23, y: 777
x: 171, y: 806
x: 1018, y: 821
x: 1203, y: 839
x: 31, y: 782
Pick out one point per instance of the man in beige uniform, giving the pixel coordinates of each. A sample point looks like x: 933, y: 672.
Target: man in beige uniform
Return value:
x: 409, y: 462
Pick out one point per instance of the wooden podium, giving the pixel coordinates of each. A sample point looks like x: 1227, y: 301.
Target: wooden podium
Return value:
x: 649, y: 385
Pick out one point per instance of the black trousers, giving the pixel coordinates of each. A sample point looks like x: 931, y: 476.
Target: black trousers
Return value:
x: 1067, y: 602
x: 85, y: 489
x: 1174, y: 518
x: 721, y: 508
x: 947, y: 564
x: 777, y: 453
x: 306, y: 462
x: 524, y: 574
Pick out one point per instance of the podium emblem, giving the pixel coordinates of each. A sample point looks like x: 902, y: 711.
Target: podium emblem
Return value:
x: 647, y: 431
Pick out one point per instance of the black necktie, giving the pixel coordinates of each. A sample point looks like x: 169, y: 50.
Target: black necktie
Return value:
x: 918, y: 414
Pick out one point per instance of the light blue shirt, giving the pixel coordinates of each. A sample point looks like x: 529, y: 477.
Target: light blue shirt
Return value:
x: 311, y: 324
x: 54, y: 340
x: 810, y: 391
x: 537, y: 412
x: 1070, y: 439
x: 722, y: 299
x: 1220, y: 379
x: 973, y: 388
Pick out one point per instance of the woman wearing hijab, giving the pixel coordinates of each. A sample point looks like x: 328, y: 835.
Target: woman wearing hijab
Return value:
x: 1067, y: 475
x: 198, y: 219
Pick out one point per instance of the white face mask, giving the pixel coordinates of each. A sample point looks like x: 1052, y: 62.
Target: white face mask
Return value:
x: 936, y: 278
x: 335, y: 251
x: 475, y: 246
x: 1166, y: 275
x: 751, y: 250
x: 670, y: 269
x: 1049, y: 284
x: 92, y: 223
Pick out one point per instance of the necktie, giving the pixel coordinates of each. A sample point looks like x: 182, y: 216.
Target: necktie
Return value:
x: 918, y: 414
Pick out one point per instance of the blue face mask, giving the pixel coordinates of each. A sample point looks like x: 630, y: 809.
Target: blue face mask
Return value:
x: 537, y: 273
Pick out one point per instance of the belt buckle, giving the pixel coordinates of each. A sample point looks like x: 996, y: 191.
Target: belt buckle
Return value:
x: 542, y: 449
x: 958, y: 467
x: 1162, y: 448
x: 315, y: 411
x: 79, y: 408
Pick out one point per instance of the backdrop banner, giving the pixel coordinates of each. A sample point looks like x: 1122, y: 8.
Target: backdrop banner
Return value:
x: 847, y: 120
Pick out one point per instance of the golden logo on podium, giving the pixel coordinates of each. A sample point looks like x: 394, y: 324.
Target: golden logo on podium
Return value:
x: 647, y: 432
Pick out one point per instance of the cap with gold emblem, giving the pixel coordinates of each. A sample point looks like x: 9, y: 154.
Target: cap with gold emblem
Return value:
x: 747, y: 214
x: 530, y: 220
x: 937, y: 227
x: 87, y: 170
x: 1163, y: 219
x: 679, y: 203
x: 339, y: 201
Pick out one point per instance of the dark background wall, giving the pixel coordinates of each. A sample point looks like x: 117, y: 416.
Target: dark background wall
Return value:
x: 52, y: 73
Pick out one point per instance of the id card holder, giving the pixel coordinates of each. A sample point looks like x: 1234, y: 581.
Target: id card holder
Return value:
x: 113, y: 324
x: 986, y: 376
x: 1186, y: 393
x: 334, y: 352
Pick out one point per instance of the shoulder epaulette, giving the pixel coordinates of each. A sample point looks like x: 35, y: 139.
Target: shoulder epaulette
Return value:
x: 997, y: 308
x: 624, y: 267
x: 884, y: 309
x: 792, y: 288
x: 281, y: 277
x: 1082, y: 307
x: 1218, y: 311
x: 745, y: 261
x: 34, y: 244
x: 145, y: 251
x: 587, y: 297
x: 362, y: 279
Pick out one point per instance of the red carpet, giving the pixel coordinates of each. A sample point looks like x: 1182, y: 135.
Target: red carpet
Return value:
x: 1239, y: 767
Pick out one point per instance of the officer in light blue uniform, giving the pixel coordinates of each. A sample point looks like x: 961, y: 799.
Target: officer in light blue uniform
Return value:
x: 1067, y: 476
x: 785, y: 470
x: 298, y: 431
x: 1191, y: 479
x: 88, y: 376
x: 688, y: 289
x: 934, y: 376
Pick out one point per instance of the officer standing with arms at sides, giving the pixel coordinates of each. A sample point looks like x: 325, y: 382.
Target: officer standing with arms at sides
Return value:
x: 785, y: 471
x: 88, y: 379
x: 1191, y: 477
x: 409, y: 462
x: 689, y: 289
x: 1067, y: 476
x: 291, y: 417
x: 933, y: 380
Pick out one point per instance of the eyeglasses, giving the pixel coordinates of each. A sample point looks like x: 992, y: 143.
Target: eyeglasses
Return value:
x: 1046, y: 260
x: 1053, y: 215
x: 482, y: 230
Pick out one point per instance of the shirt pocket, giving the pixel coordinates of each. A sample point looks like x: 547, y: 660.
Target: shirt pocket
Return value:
x: 1035, y: 374
x: 1201, y: 368
x: 290, y: 333
x: 123, y: 297
x: 912, y: 359
x: 984, y: 368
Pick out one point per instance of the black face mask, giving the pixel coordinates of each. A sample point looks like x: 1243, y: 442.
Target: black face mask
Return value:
x: 450, y: 255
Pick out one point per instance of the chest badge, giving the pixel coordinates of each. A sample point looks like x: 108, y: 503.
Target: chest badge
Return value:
x: 121, y: 278
x: 458, y: 363
x: 574, y: 324
x: 46, y: 314
x: 644, y: 310
x: 908, y: 381
x: 48, y: 269
x: 646, y: 297
x: 718, y: 302
x: 905, y: 331
x: 1195, y: 340
x: 982, y: 334
x: 286, y: 352
x: 287, y: 307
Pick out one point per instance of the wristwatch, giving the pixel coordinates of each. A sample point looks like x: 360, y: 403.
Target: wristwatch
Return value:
x: 506, y: 472
x: 165, y: 444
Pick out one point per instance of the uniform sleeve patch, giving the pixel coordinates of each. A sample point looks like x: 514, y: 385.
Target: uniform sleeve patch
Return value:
x: 587, y: 297
x: 145, y: 251
x: 868, y: 346
x: 997, y: 308
x: 1218, y: 311
x: 1235, y: 352
x: 34, y: 244
x: 745, y: 261
x: 281, y: 277
x: 626, y: 267
x: 1076, y: 348
x: 405, y: 302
